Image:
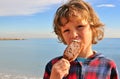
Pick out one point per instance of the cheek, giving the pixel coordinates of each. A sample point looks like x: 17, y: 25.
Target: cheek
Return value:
x: 87, y: 36
x: 66, y: 38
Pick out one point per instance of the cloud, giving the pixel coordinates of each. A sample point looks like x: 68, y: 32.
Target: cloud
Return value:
x: 29, y: 7
x: 24, y: 7
x: 106, y: 5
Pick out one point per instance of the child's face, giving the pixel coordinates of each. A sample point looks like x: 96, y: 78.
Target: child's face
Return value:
x: 77, y: 29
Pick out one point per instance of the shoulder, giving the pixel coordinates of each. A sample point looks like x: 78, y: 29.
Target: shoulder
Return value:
x: 108, y: 61
x: 100, y: 59
x: 53, y: 61
x: 103, y: 60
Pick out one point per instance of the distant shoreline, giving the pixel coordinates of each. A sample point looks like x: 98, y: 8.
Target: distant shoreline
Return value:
x: 12, y: 39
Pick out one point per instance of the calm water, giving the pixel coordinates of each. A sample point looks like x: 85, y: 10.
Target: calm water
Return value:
x: 29, y: 57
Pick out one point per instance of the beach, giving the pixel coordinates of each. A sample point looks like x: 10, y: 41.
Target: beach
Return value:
x: 14, y: 76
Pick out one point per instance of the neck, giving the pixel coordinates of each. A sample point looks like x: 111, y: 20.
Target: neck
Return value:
x: 86, y: 53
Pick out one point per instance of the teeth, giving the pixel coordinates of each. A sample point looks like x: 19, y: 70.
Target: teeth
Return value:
x: 76, y: 40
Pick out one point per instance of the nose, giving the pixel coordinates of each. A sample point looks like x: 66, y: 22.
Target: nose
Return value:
x: 74, y: 35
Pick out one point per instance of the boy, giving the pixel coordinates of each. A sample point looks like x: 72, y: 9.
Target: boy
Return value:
x: 76, y: 20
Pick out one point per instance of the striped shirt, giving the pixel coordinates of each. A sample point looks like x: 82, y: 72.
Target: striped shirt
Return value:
x: 95, y: 67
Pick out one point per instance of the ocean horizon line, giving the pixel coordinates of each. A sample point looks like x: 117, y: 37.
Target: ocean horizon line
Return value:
x: 23, y: 38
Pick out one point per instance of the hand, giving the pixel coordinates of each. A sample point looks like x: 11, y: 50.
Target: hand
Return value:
x: 60, y: 69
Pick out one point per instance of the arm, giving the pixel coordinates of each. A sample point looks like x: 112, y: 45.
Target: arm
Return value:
x: 114, y: 72
x: 57, y: 69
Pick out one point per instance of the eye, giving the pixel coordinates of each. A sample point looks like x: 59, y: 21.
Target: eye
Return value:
x: 67, y: 30
x: 79, y: 26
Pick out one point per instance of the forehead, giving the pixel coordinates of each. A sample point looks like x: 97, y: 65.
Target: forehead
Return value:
x: 74, y: 20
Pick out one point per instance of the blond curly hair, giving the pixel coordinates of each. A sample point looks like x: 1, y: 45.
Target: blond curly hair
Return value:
x: 75, y: 8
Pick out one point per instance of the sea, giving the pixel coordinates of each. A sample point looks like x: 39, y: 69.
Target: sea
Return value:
x: 26, y: 59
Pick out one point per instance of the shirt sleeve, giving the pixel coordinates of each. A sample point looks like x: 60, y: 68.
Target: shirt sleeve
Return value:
x: 47, y: 71
x: 48, y: 67
x: 114, y: 72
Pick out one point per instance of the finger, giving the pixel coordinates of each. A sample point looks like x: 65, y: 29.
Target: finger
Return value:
x: 63, y: 64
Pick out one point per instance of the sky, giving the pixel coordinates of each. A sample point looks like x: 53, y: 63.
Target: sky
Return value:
x: 34, y: 18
